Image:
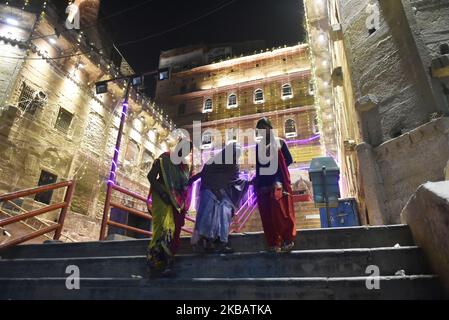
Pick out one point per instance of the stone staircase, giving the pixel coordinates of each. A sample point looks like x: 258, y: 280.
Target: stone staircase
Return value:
x: 326, y: 264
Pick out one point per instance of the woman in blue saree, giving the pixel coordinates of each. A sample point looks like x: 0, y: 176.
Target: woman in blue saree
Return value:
x: 221, y: 193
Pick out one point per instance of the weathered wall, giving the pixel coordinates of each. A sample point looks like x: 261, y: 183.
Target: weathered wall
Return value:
x: 83, y: 148
x: 387, y: 65
x: 401, y: 165
x: 386, y: 90
x: 9, y: 68
x: 430, y: 29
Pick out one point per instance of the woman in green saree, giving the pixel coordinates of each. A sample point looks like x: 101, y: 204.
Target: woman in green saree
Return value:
x: 170, y: 201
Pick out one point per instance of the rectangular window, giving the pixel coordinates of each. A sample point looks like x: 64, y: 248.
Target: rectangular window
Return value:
x: 46, y: 178
x: 64, y: 121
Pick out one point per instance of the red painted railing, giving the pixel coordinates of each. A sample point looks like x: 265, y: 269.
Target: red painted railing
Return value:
x: 57, y: 228
x: 109, y: 203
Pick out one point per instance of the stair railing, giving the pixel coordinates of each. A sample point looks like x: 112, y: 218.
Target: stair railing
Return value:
x: 57, y: 228
x: 106, y: 221
x: 245, y: 212
x: 31, y: 222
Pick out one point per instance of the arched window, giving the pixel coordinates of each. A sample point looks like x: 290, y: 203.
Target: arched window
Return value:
x: 258, y: 96
x: 290, y: 129
x: 206, y: 140
x: 208, y: 106
x: 287, y: 92
x: 232, y: 101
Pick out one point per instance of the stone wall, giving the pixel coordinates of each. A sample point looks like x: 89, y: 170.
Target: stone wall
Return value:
x: 430, y: 29
x: 394, y: 170
x: 386, y: 64
x: 9, y: 68
x: 72, y: 132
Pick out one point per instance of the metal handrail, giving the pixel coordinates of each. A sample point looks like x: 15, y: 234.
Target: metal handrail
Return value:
x: 111, y: 204
x: 64, y: 206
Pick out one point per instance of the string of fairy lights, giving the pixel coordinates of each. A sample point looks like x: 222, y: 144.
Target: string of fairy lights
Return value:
x: 82, y: 169
x: 104, y: 64
x: 327, y: 134
x: 111, y: 69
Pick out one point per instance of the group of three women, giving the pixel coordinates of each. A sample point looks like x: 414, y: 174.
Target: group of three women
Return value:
x: 221, y: 192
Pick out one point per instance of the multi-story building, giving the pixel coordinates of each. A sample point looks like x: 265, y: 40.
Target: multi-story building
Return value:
x: 229, y: 97
x: 229, y: 94
x: 53, y: 127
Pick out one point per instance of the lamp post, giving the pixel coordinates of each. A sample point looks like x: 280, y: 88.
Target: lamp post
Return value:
x: 102, y: 87
x: 113, y: 173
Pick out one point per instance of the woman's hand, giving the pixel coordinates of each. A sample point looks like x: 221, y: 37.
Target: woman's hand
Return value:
x: 191, y: 181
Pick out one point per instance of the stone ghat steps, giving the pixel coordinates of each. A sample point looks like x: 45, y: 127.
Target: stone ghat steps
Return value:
x: 311, y: 263
x: 326, y: 264
x: 344, y: 238
x: 390, y: 288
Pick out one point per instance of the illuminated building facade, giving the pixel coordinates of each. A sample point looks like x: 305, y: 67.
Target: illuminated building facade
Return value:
x: 52, y: 125
x: 228, y: 94
x: 231, y: 95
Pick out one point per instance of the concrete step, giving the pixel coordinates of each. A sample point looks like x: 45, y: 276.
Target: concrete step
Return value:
x: 409, y: 287
x: 312, y: 263
x: 344, y: 238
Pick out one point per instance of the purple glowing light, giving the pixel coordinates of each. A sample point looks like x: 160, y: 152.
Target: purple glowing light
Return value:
x: 194, y: 193
x: 294, y: 142
x: 305, y: 141
x: 112, y: 174
x: 300, y: 142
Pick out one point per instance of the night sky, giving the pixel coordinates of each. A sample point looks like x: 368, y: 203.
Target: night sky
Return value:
x: 277, y: 22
